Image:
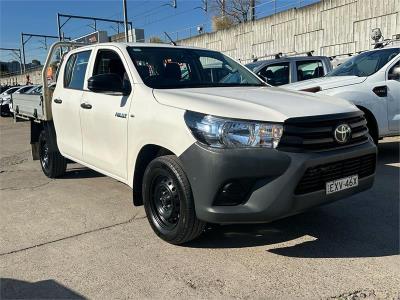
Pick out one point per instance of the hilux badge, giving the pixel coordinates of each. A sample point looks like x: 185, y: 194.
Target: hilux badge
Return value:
x: 342, y: 133
x: 120, y: 115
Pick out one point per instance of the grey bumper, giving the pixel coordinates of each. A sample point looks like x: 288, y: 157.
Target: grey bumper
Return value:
x: 274, y: 176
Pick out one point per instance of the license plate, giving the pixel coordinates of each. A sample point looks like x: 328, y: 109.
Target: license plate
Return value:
x: 341, y: 184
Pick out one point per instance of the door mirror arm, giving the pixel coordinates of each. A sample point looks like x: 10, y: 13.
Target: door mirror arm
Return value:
x: 126, y: 87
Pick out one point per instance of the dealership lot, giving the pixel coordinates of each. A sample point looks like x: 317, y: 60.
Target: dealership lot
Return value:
x: 80, y: 237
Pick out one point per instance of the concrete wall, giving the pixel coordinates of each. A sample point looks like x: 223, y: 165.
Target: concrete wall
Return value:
x: 330, y: 27
x: 35, y: 77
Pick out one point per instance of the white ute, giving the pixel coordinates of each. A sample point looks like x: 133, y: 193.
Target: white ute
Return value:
x: 198, y: 136
x: 370, y: 80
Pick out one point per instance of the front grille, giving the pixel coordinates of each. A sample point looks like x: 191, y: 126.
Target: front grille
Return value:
x: 315, y: 178
x: 317, y: 133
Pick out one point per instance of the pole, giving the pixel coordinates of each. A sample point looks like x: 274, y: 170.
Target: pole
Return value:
x: 125, y: 20
x: 23, y: 51
x: 20, y: 60
x: 252, y: 10
x: 59, y: 27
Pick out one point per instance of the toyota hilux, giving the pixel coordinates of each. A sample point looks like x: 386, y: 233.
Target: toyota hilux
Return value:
x: 198, y: 144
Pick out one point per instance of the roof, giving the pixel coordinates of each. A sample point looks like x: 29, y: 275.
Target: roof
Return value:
x: 159, y: 45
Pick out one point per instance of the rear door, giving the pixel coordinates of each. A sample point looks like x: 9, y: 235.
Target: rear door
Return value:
x: 104, y: 117
x: 66, y: 104
x: 309, y: 69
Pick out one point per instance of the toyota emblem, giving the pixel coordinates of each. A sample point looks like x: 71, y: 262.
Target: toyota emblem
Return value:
x: 342, y: 133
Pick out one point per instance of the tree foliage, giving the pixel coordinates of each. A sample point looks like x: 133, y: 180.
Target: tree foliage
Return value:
x: 221, y: 22
x: 236, y: 11
x: 155, y: 39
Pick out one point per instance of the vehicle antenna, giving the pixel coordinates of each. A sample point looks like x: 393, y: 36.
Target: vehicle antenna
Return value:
x: 171, y: 40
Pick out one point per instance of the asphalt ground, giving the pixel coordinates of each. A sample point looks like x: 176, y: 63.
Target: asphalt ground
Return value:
x: 80, y: 237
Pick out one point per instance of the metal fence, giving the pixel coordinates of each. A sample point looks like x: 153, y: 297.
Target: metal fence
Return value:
x: 262, y: 10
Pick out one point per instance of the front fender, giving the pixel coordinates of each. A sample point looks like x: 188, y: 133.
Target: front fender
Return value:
x: 366, y: 100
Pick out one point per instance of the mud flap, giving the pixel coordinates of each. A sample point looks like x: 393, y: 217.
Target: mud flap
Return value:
x: 35, y: 151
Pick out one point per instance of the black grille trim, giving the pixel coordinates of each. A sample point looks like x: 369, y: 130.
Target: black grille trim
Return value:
x: 315, y: 133
x: 315, y: 178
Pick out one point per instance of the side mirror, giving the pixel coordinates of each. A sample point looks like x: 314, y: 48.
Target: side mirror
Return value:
x: 108, y: 82
x: 394, y: 73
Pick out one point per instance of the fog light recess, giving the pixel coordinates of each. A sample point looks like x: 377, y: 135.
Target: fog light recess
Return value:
x: 234, y: 192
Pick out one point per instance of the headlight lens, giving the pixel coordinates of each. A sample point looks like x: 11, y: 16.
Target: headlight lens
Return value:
x: 226, y: 133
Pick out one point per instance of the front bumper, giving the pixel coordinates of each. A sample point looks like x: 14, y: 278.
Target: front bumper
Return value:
x: 274, y: 176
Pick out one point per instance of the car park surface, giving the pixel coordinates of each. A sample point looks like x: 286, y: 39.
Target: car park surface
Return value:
x: 80, y: 237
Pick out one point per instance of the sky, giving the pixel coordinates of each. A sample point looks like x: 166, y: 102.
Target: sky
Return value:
x: 155, y: 17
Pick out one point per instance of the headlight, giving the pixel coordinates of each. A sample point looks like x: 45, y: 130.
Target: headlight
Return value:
x: 226, y: 133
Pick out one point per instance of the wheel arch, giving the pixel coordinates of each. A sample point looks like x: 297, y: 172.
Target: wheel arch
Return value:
x: 371, y: 120
x: 146, y: 154
x: 36, y: 129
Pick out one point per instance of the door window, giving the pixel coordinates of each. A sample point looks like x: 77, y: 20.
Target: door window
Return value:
x: 109, y: 62
x: 75, y: 70
x: 309, y: 69
x: 276, y: 74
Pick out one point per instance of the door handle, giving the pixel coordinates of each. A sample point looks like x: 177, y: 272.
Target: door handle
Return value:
x: 58, y: 101
x: 86, y: 106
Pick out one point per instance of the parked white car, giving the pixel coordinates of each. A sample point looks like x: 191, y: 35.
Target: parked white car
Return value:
x: 195, y: 143
x: 370, y: 80
x: 5, y: 99
x: 21, y: 90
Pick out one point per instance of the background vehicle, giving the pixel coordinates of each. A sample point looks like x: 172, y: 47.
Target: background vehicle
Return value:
x: 5, y: 100
x: 371, y: 80
x: 23, y: 104
x: 197, y: 136
x: 22, y: 90
x: 286, y: 70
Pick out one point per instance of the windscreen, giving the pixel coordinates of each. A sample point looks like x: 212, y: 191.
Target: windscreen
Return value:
x: 167, y: 68
x: 12, y: 90
x: 365, y: 64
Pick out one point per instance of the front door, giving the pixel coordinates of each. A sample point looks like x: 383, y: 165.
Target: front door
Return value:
x: 104, y: 118
x: 66, y: 104
x: 393, y: 85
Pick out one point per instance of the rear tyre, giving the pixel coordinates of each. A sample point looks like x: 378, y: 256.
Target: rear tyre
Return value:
x: 52, y: 162
x: 4, y: 112
x: 168, y: 201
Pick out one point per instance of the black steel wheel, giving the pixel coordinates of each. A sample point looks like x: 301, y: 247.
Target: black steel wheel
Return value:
x: 168, y: 201
x: 164, y: 200
x: 52, y: 162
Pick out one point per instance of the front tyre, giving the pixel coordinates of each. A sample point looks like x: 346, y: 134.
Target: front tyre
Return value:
x: 168, y: 201
x: 52, y: 162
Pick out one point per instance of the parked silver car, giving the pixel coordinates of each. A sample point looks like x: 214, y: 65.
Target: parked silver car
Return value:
x: 285, y: 70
